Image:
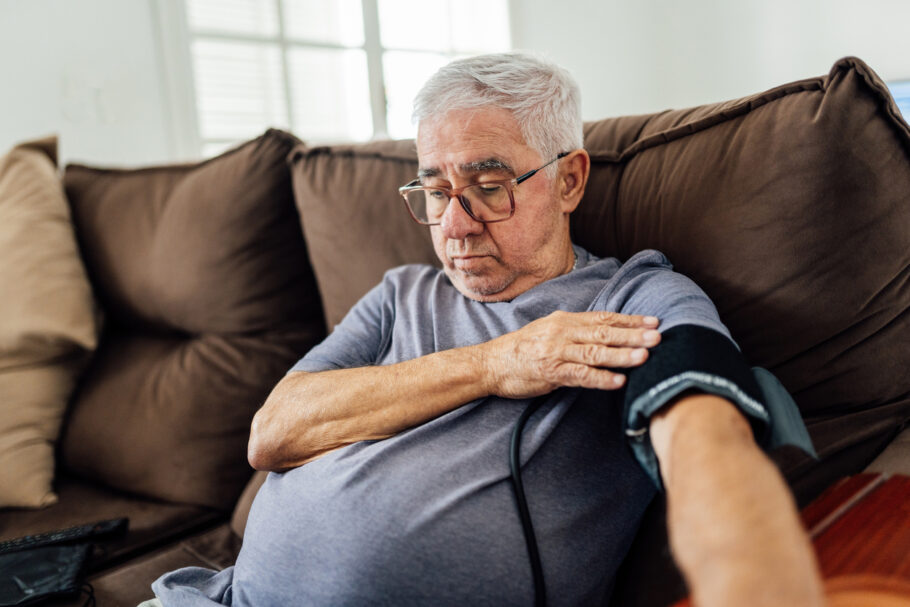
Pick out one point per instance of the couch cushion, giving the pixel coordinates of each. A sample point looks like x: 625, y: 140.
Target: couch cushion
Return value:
x: 48, y: 326
x: 152, y: 523
x: 203, y: 273
x: 355, y: 223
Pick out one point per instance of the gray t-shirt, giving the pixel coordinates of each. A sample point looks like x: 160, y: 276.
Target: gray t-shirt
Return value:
x: 429, y: 516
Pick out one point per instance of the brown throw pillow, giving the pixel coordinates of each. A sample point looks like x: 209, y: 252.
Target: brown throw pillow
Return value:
x: 210, y: 299
x: 48, y: 325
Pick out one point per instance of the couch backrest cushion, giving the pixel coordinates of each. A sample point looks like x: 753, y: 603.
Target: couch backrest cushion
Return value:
x: 791, y: 208
x: 210, y: 299
x: 48, y: 325
x: 356, y: 224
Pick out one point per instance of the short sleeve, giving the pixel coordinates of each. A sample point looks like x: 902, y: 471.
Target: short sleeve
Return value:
x: 646, y: 284
x: 357, y: 340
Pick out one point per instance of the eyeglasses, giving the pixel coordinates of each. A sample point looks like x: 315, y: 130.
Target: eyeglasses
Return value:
x: 486, y: 202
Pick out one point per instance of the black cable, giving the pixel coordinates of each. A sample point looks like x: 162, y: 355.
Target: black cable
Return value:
x: 540, y: 590
x: 89, y: 590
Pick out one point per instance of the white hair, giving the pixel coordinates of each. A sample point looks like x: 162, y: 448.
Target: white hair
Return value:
x: 543, y: 98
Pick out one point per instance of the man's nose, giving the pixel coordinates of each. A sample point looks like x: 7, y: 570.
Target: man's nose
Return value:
x: 456, y: 224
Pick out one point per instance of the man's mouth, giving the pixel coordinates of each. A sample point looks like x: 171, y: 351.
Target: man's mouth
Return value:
x: 467, y: 262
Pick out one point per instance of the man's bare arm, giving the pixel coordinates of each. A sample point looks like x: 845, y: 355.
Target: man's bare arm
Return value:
x: 733, y: 525
x: 310, y: 414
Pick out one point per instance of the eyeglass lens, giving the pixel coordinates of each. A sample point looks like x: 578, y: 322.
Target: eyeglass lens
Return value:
x: 483, y: 201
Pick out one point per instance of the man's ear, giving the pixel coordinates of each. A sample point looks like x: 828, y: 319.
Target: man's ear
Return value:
x: 574, y: 170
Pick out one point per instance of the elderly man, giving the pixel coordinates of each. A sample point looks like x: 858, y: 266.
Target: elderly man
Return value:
x: 391, y: 440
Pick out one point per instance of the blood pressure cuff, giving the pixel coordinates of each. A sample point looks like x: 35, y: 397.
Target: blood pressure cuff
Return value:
x: 695, y: 358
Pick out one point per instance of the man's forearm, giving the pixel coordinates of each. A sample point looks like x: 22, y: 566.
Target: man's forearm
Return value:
x: 734, y: 528
x: 310, y: 414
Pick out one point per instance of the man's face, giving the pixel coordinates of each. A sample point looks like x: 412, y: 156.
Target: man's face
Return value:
x: 493, y: 261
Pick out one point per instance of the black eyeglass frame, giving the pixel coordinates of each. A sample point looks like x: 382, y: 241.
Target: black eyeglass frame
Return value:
x: 510, y: 184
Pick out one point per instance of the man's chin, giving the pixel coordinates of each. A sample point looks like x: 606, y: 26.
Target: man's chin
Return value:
x: 485, y: 289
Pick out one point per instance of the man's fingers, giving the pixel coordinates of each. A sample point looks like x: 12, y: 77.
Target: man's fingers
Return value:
x: 610, y: 328
x: 583, y: 376
x: 619, y: 320
x: 608, y: 335
x: 605, y: 356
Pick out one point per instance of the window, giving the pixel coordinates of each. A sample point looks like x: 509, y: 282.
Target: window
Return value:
x: 901, y: 93
x: 328, y: 70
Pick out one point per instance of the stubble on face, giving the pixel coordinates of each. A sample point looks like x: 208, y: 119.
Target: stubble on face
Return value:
x: 476, y: 270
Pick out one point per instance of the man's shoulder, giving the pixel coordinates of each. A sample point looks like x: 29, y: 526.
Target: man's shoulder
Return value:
x: 651, y: 269
x: 646, y: 283
x: 641, y: 261
x: 647, y: 267
x: 645, y: 260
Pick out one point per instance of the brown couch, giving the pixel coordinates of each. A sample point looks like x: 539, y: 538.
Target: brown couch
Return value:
x: 791, y: 208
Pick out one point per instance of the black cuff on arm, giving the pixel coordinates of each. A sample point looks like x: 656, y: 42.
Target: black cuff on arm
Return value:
x: 689, y: 357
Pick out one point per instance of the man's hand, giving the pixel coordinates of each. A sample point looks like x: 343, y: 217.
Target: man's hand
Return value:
x: 733, y: 526
x: 567, y: 349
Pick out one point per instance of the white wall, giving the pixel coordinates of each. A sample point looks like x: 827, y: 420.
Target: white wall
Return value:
x: 638, y: 56
x: 89, y: 71
x: 93, y: 70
